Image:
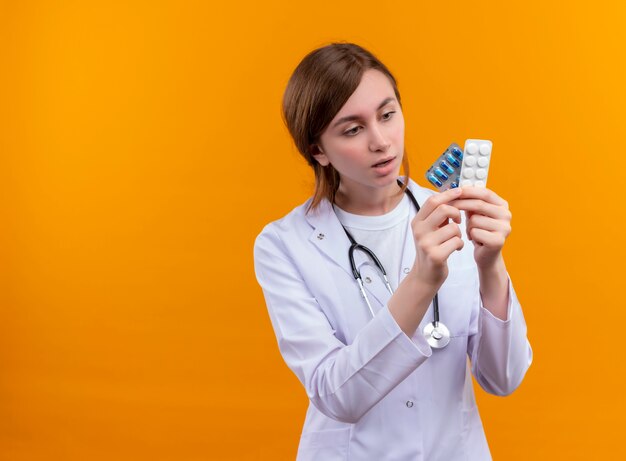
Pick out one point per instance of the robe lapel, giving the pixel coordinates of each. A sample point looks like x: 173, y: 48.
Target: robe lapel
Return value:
x: 329, y: 238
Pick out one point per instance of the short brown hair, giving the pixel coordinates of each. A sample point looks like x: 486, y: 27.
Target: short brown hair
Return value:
x: 318, y: 88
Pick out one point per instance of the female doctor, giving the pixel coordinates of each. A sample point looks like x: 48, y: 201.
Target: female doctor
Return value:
x: 381, y: 386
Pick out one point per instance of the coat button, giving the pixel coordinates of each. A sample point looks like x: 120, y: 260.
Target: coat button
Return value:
x: 407, y: 270
x: 320, y: 236
x: 409, y: 404
x: 368, y: 280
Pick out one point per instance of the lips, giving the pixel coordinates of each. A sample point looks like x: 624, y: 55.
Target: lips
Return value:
x: 383, y: 162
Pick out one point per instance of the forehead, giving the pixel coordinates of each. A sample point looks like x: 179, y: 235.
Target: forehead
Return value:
x: 373, y: 89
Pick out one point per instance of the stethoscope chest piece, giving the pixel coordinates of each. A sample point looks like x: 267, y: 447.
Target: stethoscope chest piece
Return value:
x: 437, y: 335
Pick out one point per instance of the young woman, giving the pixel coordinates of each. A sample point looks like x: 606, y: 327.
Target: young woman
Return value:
x: 382, y: 382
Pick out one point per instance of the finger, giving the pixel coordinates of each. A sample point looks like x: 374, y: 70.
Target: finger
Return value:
x: 441, y: 215
x: 487, y: 238
x: 435, y: 200
x: 484, y: 208
x: 437, y: 219
x: 443, y: 251
x: 482, y: 193
x: 468, y: 216
x: 489, y: 224
x: 441, y: 235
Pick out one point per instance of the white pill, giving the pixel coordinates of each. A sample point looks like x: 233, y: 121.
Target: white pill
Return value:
x: 481, y: 174
x: 480, y: 184
x: 468, y: 173
x: 466, y: 182
x: 483, y: 161
x: 470, y: 161
x: 472, y: 148
x: 485, y: 149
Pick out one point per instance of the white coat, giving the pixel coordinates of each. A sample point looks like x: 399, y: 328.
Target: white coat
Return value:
x: 375, y: 393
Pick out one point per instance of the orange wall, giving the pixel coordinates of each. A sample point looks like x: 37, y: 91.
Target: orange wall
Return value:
x: 142, y: 150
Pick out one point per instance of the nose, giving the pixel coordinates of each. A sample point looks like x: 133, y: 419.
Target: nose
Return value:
x: 378, y: 140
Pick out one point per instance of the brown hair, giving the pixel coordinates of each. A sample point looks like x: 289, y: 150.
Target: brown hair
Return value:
x: 318, y: 88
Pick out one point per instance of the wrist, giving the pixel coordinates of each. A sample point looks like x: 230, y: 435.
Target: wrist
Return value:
x: 410, y: 302
x: 421, y: 288
x: 494, y: 288
x: 493, y: 269
x: 428, y: 280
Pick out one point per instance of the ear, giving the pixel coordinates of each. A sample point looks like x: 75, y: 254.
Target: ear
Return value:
x: 318, y: 154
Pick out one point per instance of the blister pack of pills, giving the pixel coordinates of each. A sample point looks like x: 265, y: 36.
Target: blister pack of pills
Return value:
x: 456, y: 167
x: 445, y: 172
x: 476, y: 159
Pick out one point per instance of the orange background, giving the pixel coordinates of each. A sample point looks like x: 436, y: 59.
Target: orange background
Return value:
x: 142, y: 151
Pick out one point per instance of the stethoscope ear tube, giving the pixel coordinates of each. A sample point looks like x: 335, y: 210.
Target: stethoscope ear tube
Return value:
x: 367, y: 301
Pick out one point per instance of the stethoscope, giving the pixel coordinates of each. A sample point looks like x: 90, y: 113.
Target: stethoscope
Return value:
x: 436, y: 333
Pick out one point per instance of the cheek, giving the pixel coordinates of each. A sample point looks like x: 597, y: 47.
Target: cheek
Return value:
x: 348, y: 150
x: 396, y: 136
x: 398, y: 130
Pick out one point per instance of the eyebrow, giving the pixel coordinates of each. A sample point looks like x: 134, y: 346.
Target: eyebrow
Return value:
x: 350, y: 118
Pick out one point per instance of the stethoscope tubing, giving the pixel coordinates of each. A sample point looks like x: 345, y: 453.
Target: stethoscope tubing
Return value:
x: 436, y: 332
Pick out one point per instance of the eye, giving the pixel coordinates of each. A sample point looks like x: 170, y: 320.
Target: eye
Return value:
x: 388, y: 115
x: 352, y: 131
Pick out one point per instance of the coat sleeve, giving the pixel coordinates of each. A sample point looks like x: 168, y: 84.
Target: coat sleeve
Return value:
x: 500, y: 352
x: 342, y: 381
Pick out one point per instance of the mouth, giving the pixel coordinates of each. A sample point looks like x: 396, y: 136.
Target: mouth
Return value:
x: 383, y: 162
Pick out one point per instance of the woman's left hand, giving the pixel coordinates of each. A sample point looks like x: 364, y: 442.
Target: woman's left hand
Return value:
x: 488, y: 223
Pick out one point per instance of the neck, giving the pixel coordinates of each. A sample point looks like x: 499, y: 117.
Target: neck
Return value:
x: 370, y: 202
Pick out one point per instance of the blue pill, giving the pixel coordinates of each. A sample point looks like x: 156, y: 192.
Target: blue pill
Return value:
x: 446, y: 167
x: 434, y: 180
x: 452, y: 160
x: 454, y: 185
x: 439, y: 172
x: 457, y: 152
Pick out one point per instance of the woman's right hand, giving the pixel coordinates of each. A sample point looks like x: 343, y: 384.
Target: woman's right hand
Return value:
x: 437, y: 234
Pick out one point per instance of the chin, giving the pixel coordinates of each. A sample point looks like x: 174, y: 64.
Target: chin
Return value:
x: 387, y: 181
x: 392, y: 176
